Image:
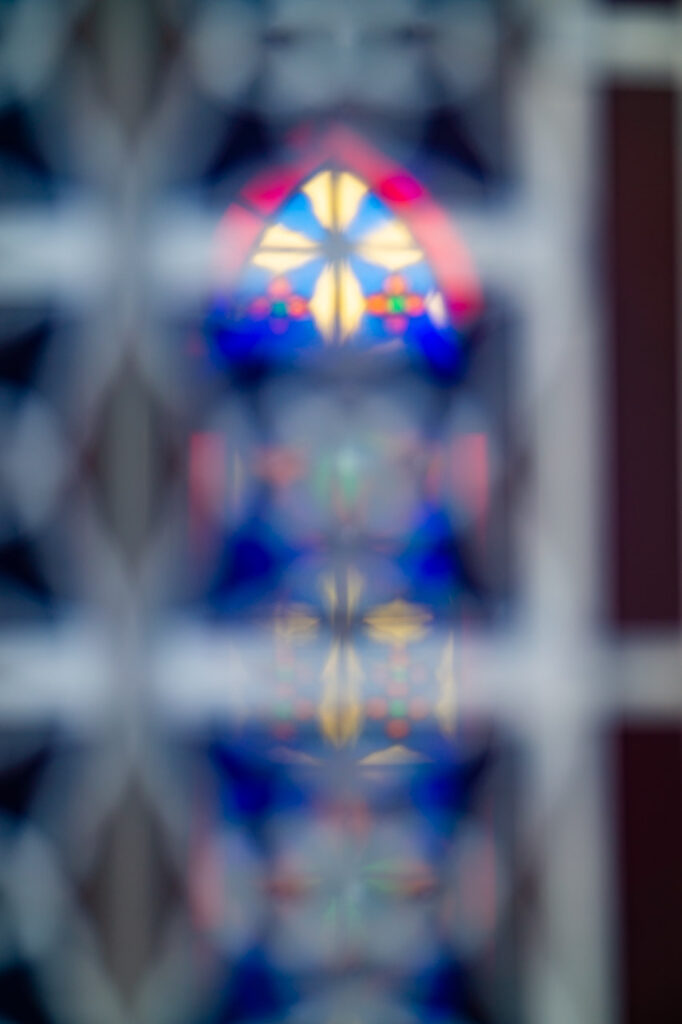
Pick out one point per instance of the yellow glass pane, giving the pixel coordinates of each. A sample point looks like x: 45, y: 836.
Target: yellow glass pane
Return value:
x: 323, y: 303
x: 392, y: 234
x: 341, y: 709
x: 392, y: 259
x: 351, y: 302
x: 435, y: 307
x: 398, y: 623
x: 349, y: 192
x: 330, y: 592
x: 281, y: 262
x: 296, y: 624
x: 281, y: 237
x: 319, y: 192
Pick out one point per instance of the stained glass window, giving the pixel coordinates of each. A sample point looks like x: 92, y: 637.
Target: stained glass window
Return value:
x: 338, y: 257
x: 341, y: 254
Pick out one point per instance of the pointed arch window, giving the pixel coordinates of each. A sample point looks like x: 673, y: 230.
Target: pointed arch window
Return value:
x: 344, y: 249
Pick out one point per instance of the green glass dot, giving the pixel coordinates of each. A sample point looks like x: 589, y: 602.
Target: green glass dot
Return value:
x: 322, y: 477
x: 284, y: 709
x: 398, y: 708
x: 348, y: 475
x: 399, y: 671
x: 396, y: 304
x: 279, y: 309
